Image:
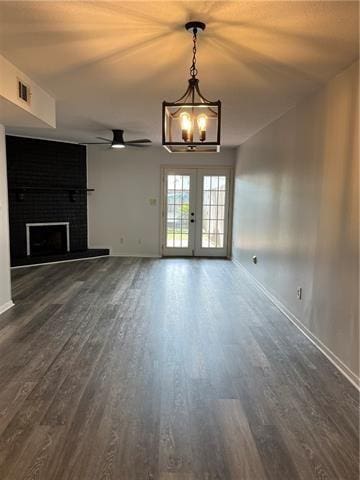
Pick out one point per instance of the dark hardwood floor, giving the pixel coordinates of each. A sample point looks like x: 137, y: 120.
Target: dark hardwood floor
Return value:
x: 173, y: 369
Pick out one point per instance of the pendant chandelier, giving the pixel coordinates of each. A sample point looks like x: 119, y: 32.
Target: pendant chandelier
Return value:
x: 191, y: 124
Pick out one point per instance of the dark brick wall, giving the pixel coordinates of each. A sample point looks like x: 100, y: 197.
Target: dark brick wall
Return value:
x: 41, y: 163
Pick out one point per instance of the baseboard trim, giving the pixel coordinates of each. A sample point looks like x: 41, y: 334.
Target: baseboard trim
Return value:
x: 6, y: 306
x: 334, y: 359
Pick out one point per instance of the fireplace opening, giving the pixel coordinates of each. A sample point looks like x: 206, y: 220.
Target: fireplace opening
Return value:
x: 47, y: 238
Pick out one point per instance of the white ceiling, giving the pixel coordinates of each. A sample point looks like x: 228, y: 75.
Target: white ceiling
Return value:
x: 111, y: 64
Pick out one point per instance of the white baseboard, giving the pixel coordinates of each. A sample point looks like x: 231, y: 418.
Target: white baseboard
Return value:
x: 334, y: 359
x: 6, y: 306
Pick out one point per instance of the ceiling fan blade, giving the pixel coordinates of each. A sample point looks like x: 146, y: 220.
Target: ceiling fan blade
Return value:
x: 102, y: 138
x: 139, y: 140
x: 138, y: 145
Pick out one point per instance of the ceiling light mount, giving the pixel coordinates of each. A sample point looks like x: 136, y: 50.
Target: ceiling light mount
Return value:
x: 191, y: 124
x: 194, y: 27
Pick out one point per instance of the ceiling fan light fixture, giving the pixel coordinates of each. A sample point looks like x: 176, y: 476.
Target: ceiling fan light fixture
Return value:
x: 192, y: 124
x: 119, y: 142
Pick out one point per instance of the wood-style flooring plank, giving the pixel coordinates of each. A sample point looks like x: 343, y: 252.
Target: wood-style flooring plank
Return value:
x: 240, y: 448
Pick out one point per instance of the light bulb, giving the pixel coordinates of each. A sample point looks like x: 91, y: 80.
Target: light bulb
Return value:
x: 201, y: 121
x: 186, y: 126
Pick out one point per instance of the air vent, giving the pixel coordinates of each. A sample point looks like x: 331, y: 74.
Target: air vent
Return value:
x: 24, y: 92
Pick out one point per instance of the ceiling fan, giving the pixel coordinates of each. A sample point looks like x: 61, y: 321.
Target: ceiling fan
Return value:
x: 119, y: 142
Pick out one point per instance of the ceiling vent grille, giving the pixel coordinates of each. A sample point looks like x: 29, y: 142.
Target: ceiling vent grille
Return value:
x: 24, y: 91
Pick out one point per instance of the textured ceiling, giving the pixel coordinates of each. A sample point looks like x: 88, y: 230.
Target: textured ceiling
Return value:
x: 111, y: 64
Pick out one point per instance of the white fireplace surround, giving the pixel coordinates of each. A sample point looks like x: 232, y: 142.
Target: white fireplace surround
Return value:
x: 46, y: 224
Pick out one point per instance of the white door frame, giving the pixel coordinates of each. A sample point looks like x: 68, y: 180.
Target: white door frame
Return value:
x: 164, y: 168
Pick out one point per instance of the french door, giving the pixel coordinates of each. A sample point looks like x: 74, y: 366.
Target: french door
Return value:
x: 195, y: 211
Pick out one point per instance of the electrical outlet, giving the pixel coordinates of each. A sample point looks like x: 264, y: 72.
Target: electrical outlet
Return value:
x: 299, y: 293
x: 122, y: 240
x: 152, y: 202
x: 139, y: 241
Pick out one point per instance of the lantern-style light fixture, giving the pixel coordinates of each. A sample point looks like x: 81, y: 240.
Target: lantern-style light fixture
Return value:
x: 192, y: 123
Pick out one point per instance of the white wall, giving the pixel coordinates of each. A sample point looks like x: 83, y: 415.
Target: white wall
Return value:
x: 124, y: 181
x: 296, y: 208
x: 5, y: 286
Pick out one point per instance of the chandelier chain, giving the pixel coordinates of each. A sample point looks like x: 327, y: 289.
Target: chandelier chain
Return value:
x: 193, y: 69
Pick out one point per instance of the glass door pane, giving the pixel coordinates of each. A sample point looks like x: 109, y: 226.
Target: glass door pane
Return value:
x: 212, y: 212
x: 213, y: 206
x: 177, y: 221
x: 179, y: 187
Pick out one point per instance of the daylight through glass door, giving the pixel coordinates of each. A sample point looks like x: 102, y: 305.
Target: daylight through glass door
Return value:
x: 213, y: 211
x: 195, y: 211
x: 177, y: 221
